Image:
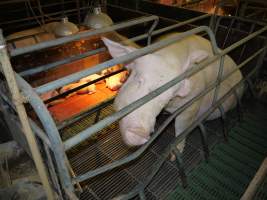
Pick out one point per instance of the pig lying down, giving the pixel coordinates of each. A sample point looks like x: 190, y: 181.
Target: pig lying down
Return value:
x: 154, y: 70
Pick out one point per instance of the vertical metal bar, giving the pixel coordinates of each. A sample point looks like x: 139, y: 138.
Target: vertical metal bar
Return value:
x: 204, y: 141
x: 97, y: 115
x: 155, y: 23
x: 239, y: 106
x: 224, y: 124
x: 52, y: 171
x: 218, y: 80
x: 78, y: 11
x: 180, y: 165
x: 244, y: 47
x: 40, y: 11
x: 228, y: 32
x: 51, y: 129
x: 18, y: 101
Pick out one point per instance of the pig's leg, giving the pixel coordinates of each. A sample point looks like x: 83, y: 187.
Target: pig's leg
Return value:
x: 183, y: 121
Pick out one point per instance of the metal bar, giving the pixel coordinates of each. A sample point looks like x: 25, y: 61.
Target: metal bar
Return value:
x: 80, y: 35
x: 51, y: 130
x: 256, y: 182
x: 203, y: 135
x: 219, y: 77
x: 110, y: 119
x: 13, y: 1
x: 78, y: 11
x: 180, y: 165
x: 155, y: 23
x: 17, y: 99
x: 192, y: 126
x: 53, y: 174
x: 36, y: 129
x: 136, y: 154
x: 141, y: 52
x: 168, y: 28
x: 93, y: 52
x: 223, y: 118
x: 82, y: 86
x: 60, y: 62
x: 47, y: 15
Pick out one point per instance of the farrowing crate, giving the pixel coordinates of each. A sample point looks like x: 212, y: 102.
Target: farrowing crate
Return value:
x: 102, y: 167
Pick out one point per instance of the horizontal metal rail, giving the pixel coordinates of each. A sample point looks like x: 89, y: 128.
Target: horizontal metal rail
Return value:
x: 93, y: 52
x: 48, y: 66
x: 83, y: 86
x: 122, y: 59
x: 78, y: 36
x: 141, y: 150
x: 126, y: 110
x: 59, y: 13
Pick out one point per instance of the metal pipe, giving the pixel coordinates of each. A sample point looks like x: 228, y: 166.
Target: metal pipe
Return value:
x: 110, y: 119
x: 141, y: 150
x: 150, y: 31
x: 168, y: 28
x: 36, y: 129
x: 60, y: 62
x: 18, y: 101
x: 80, y: 35
x: 47, y: 15
x: 82, y: 86
x: 51, y: 130
x: 93, y: 52
x: 136, y: 154
x: 256, y: 182
x: 140, y: 52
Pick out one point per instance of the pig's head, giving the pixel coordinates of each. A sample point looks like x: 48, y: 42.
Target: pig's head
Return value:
x: 148, y: 73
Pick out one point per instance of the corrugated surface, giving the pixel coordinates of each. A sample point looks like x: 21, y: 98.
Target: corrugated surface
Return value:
x: 230, y: 168
x: 232, y: 165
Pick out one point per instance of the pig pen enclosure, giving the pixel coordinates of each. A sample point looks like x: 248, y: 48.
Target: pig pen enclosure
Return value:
x: 79, y: 140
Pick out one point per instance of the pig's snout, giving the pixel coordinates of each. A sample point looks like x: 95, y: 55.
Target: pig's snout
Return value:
x: 135, y: 136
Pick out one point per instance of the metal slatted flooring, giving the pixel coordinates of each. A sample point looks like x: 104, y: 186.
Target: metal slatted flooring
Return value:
x: 226, y: 175
x: 231, y: 165
x: 109, y: 147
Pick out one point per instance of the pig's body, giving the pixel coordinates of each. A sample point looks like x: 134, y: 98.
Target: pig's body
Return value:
x: 153, y: 70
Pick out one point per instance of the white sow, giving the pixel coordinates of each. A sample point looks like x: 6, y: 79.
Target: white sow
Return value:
x: 153, y: 70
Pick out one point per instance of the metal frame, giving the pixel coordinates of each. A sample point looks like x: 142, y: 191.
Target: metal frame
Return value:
x: 52, y: 140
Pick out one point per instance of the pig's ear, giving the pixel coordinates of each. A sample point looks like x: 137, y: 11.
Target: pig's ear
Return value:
x: 117, y: 49
x: 185, y: 88
x: 198, y: 56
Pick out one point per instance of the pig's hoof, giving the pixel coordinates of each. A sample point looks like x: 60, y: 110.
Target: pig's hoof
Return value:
x: 172, y: 157
x: 181, y: 146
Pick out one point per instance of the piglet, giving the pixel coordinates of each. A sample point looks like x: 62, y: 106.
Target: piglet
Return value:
x: 115, y: 82
x: 86, y: 90
x: 49, y: 95
x: 92, y: 78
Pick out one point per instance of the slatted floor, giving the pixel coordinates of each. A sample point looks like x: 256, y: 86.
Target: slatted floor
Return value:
x: 229, y: 170
x: 231, y: 165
